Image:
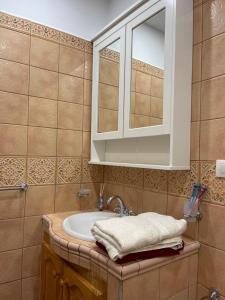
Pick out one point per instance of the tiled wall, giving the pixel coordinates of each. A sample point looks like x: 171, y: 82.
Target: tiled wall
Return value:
x: 165, y: 192
x: 45, y: 97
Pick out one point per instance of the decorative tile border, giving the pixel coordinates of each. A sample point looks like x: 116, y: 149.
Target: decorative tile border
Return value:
x: 113, y: 174
x: 180, y: 182
x: 41, y: 171
x: 133, y: 177
x: 15, y: 23
x: 72, y: 41
x: 45, y: 32
x: 155, y: 180
x: 12, y: 171
x: 91, y: 173
x: 68, y: 170
x: 215, y: 185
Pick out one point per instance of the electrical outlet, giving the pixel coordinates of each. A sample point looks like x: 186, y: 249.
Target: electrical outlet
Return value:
x: 220, y: 168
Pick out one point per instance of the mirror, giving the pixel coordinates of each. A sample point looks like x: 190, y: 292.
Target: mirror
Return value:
x: 148, y: 42
x: 108, y: 93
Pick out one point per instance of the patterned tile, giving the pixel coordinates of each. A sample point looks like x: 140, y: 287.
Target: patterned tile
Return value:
x: 91, y: 173
x: 88, y: 47
x: 16, y: 23
x: 114, y: 174
x: 215, y: 185
x: 155, y: 180
x: 69, y: 170
x: 41, y: 170
x: 133, y: 177
x: 73, y: 41
x: 12, y: 171
x: 180, y: 182
x: 45, y: 32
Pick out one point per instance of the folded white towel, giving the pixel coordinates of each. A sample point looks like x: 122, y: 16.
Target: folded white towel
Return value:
x: 144, y: 232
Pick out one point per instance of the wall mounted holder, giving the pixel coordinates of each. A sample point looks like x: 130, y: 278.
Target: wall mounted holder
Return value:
x: 22, y: 187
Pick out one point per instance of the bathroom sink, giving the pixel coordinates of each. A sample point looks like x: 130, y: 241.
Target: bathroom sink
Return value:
x: 79, y: 225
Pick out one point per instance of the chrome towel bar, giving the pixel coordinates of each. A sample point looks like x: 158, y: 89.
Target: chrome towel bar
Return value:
x: 22, y: 187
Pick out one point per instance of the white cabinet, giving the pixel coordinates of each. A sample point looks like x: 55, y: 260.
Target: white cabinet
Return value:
x: 141, y: 100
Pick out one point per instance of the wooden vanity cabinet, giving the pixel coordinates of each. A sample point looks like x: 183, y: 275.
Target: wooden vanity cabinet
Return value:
x: 61, y: 282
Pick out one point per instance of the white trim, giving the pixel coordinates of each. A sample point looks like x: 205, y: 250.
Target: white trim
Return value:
x: 120, y: 34
x: 167, y: 90
x: 144, y: 166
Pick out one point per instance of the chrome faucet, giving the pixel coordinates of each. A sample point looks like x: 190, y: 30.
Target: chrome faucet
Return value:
x: 121, y: 208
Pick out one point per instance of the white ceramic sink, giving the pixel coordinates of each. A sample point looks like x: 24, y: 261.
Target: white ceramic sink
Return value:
x: 79, y: 225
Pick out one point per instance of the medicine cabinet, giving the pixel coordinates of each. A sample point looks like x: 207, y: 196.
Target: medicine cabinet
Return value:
x: 141, y: 92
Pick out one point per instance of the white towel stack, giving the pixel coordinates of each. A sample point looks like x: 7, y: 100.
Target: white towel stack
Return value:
x: 131, y: 234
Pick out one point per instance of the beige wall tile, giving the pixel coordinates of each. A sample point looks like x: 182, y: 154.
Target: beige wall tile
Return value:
x: 11, y: 290
x: 155, y: 180
x: 142, y: 104
x: 109, y: 72
x: 42, y: 112
x: 32, y: 231
x: 180, y: 295
x: 91, y: 173
x: 108, y: 96
x: 196, y: 63
x: 40, y: 200
x: 14, y: 108
x: 44, y: 54
x: 143, y: 83
x: 11, y: 233
x: 195, y: 136
x: 212, y: 140
x: 140, y: 121
x: 154, y: 202
x: 213, y: 18
x: 11, y: 205
x: 90, y: 201
x: 88, y: 66
x: 41, y: 141
x: 87, y: 118
x: 201, y: 292
x: 71, y: 61
x: 212, y: 57
x: 14, y: 45
x: 31, y: 261
x: 71, y: 89
x: 211, y: 227
x: 43, y: 83
x: 86, y: 144
x: 69, y: 143
x: 138, y: 287
x: 14, y: 77
x: 212, y: 104
x: 70, y: 116
x: 192, y: 292
x: 155, y: 121
x: 10, y: 262
x: 133, y: 199
x: 195, y: 101
x: 175, y: 272
x: 113, y: 287
x: 87, y: 92
x: 13, y: 140
x: 30, y: 288
x: 211, y: 271
x: 66, y: 197
x: 156, y: 107
x: 197, y: 32
x: 157, y: 87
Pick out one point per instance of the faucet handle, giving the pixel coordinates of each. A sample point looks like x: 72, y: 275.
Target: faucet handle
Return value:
x: 117, y: 209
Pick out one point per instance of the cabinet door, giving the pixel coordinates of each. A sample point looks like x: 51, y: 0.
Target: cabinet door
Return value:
x: 148, y: 79
x: 51, y: 274
x: 76, y: 287
x: 108, y: 87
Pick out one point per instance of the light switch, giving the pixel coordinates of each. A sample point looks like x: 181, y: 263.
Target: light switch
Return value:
x: 220, y: 168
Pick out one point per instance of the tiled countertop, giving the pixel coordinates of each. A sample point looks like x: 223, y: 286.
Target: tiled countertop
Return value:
x: 81, y: 252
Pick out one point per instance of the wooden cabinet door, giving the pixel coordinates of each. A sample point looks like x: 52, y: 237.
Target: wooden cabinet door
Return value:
x: 51, y: 274
x: 76, y: 287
